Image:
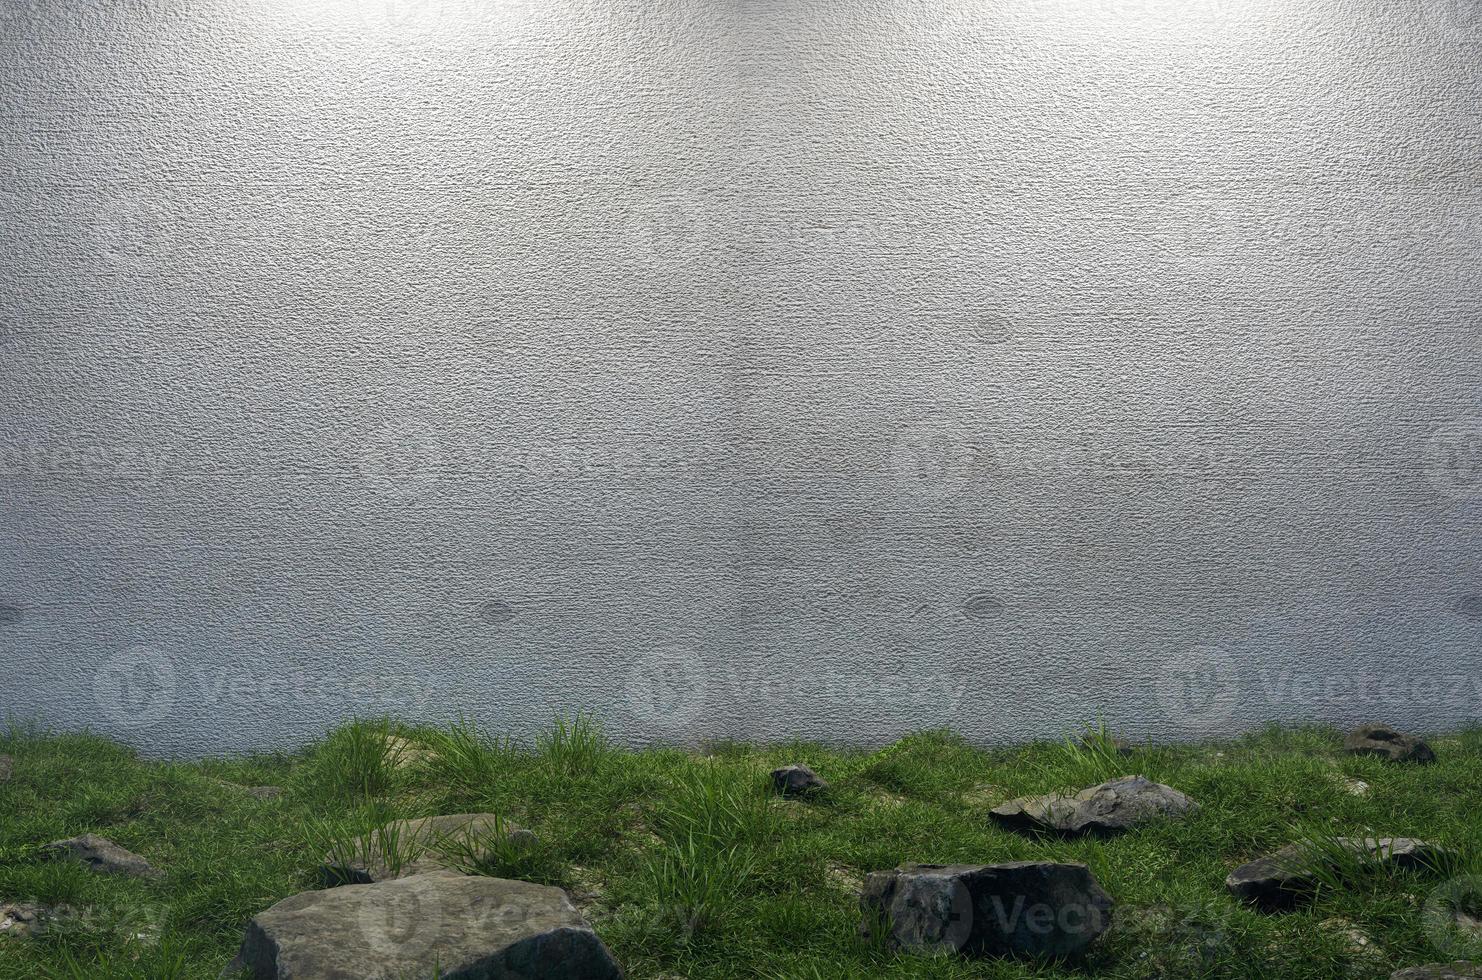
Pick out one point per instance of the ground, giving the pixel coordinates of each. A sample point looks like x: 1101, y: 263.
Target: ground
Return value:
x: 689, y: 866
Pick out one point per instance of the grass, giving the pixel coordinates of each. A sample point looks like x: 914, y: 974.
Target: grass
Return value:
x: 688, y: 866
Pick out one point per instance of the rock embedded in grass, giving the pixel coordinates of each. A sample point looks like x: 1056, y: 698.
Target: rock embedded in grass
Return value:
x: 102, y: 855
x: 7, y: 767
x: 1284, y: 878
x: 23, y: 919
x: 1023, y: 908
x: 1386, y: 743
x: 413, y: 847
x: 1458, y: 970
x: 447, y: 925
x: 1111, y: 807
x: 797, y: 781
x: 403, y: 753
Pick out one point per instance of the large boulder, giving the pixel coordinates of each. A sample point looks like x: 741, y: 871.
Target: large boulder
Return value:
x: 455, y: 927
x: 1385, y: 742
x: 412, y: 847
x: 1459, y: 970
x: 102, y: 855
x: 1108, y: 808
x: 797, y: 781
x: 1024, y: 908
x: 1288, y: 876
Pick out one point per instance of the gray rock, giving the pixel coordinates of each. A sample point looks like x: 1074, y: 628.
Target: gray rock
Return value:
x: 102, y: 855
x: 413, y: 847
x: 7, y: 767
x: 1288, y: 876
x: 264, y: 793
x: 1385, y: 742
x: 24, y: 919
x: 1111, y: 807
x: 1459, y: 970
x: 452, y: 926
x: 1024, y: 908
x: 797, y: 781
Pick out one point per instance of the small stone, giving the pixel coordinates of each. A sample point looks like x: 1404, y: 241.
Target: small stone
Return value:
x: 1459, y: 970
x: 7, y: 767
x: 1282, y: 879
x: 1023, y: 908
x: 412, y: 847
x: 265, y: 793
x: 447, y: 925
x: 1355, y: 787
x: 1360, y: 944
x: 1111, y: 807
x: 1385, y: 742
x: 23, y: 920
x: 101, y: 855
x: 797, y: 781
x: 403, y: 753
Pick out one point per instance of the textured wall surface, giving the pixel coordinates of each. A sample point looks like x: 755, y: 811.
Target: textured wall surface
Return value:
x: 830, y: 368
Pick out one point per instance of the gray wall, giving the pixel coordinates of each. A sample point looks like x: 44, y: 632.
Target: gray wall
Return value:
x: 830, y: 368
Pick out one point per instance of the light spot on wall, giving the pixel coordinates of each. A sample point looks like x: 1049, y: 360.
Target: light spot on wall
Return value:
x: 982, y: 606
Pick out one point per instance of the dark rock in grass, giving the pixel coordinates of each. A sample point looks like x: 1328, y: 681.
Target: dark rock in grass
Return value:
x: 1024, y: 908
x: 102, y: 855
x: 413, y: 847
x: 452, y: 926
x: 7, y: 766
x: 1111, y: 807
x: 1385, y: 742
x: 797, y: 781
x: 1288, y: 876
x: 1459, y: 970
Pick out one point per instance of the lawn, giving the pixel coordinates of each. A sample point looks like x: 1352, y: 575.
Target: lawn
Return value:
x: 688, y: 865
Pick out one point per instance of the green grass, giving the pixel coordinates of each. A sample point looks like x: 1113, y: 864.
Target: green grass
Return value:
x: 688, y: 866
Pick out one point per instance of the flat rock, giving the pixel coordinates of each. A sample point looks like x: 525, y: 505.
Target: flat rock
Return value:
x: 1458, y: 970
x: 7, y: 768
x: 403, y: 753
x: 452, y: 926
x: 23, y: 919
x: 102, y: 855
x: 411, y: 847
x: 1023, y: 908
x: 1385, y: 742
x: 797, y: 781
x: 1282, y: 879
x: 1111, y: 807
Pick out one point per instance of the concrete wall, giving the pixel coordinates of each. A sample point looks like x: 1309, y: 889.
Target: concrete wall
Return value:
x: 829, y: 368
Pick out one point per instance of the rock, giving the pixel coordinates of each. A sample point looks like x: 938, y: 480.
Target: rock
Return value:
x: 7, y: 767
x: 264, y: 793
x: 23, y: 920
x: 412, y: 847
x: 1360, y: 944
x: 1024, y: 908
x: 451, y: 926
x: 102, y: 855
x: 403, y: 753
x: 797, y: 781
x: 1355, y: 787
x: 1111, y: 807
x: 1385, y: 742
x: 1282, y: 879
x: 1459, y: 970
